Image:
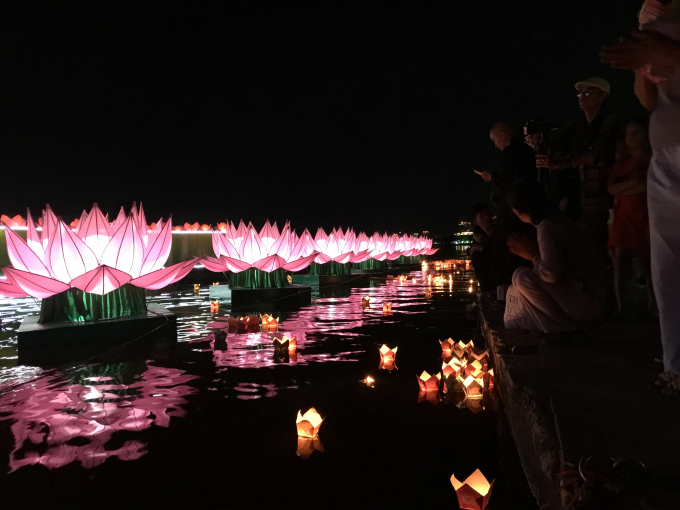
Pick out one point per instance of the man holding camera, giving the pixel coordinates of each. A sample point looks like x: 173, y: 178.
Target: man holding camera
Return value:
x: 589, y: 145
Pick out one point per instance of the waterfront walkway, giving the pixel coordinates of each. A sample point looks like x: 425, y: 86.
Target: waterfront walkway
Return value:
x: 593, y: 397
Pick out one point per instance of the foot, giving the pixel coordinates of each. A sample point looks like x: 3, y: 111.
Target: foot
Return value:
x: 665, y: 378
x: 672, y: 389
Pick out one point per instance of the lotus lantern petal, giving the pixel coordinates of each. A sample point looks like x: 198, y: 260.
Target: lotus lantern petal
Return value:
x: 96, y: 257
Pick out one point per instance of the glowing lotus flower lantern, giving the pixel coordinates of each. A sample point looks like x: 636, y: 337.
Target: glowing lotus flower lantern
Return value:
x: 244, y: 249
x: 97, y: 258
x: 474, y: 369
x: 428, y: 382
x: 472, y: 386
x: 447, y: 347
x: 474, y: 492
x: 308, y: 445
x: 481, y: 356
x: 387, y: 307
x: 308, y: 424
x: 336, y: 250
x: 285, y: 344
x: 214, y: 306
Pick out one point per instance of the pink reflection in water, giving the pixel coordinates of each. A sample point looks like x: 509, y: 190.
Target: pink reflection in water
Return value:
x: 56, y: 421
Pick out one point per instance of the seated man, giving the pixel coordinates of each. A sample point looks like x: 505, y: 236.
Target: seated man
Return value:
x: 567, y: 285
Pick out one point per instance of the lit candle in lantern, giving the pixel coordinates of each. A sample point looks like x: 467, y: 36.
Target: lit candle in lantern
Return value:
x: 474, y: 492
x: 308, y: 424
x: 285, y: 343
x: 308, y: 445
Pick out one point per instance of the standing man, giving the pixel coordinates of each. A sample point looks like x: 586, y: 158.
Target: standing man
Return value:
x: 589, y: 145
x: 517, y: 162
x: 654, y: 55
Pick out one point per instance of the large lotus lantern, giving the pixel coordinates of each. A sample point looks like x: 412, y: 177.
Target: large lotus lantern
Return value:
x: 474, y: 492
x: 428, y: 382
x: 96, y: 258
x: 308, y: 424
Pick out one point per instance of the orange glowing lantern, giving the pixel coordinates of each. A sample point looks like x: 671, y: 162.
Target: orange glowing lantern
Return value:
x: 428, y: 382
x: 222, y: 227
x: 474, y: 369
x: 369, y: 381
x: 289, y: 279
x: 387, y: 307
x: 428, y: 294
x: 308, y: 424
x: 214, y: 306
x: 402, y: 278
x: 216, y: 283
x: 285, y: 343
x: 488, y: 380
x: 453, y: 368
x: 447, y: 347
x: 472, y: 387
x: 205, y: 227
x: 269, y: 323
x: 308, y: 445
x: 366, y: 301
x: 468, y: 347
x: 473, y: 493
x: 197, y: 288
x: 481, y: 356
x: 387, y: 365
x: 430, y: 396
x: 387, y: 354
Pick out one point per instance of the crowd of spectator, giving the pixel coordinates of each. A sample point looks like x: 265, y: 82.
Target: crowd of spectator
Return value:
x: 573, y: 211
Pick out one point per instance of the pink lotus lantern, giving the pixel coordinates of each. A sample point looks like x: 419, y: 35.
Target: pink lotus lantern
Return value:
x: 243, y: 248
x: 96, y: 257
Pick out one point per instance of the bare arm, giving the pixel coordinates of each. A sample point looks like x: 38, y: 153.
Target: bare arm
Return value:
x: 645, y: 91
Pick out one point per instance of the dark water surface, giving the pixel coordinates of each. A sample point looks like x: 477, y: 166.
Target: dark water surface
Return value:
x: 194, y: 426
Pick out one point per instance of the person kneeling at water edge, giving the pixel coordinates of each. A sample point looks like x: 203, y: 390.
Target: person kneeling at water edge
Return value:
x: 567, y: 285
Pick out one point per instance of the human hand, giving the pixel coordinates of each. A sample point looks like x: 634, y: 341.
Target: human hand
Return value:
x: 485, y: 175
x: 543, y: 161
x: 523, y: 247
x: 645, y: 47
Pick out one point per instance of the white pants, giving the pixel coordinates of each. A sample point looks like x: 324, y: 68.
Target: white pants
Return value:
x: 663, y: 198
x: 559, y: 306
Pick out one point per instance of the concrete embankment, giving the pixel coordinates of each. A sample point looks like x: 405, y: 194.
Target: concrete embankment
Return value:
x: 565, y: 403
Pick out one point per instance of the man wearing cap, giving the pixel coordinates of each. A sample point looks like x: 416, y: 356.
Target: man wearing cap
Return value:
x: 589, y: 146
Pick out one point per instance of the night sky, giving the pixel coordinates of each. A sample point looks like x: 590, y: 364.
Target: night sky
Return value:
x: 364, y: 113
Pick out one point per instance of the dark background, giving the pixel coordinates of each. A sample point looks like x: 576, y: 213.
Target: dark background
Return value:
x: 364, y: 113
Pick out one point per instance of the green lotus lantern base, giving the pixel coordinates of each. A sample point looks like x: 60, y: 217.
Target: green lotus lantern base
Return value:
x: 372, y: 264
x: 331, y: 268
x: 257, y: 279
x: 74, y: 305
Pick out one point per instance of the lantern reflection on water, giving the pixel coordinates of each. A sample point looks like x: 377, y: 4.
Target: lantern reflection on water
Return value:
x: 474, y: 492
x: 308, y: 424
x: 75, y: 423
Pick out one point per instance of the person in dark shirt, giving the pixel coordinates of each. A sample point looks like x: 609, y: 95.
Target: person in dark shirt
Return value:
x: 589, y: 146
x: 480, y: 252
x: 517, y: 162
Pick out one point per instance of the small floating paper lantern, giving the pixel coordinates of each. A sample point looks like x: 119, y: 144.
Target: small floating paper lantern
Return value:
x: 474, y: 369
x: 369, y: 381
x: 429, y: 382
x: 387, y: 354
x: 197, y: 288
x: 472, y: 387
x: 216, y: 283
x: 285, y: 343
x: 253, y: 322
x: 402, y: 278
x: 481, y: 356
x: 214, y: 306
x: 289, y: 279
x: 308, y: 424
x: 308, y: 445
x: 387, y: 307
x: 428, y: 294
x: 366, y: 301
x: 447, y: 347
x: 468, y: 347
x: 453, y: 368
x: 388, y: 365
x: 270, y: 323
x: 474, y: 492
